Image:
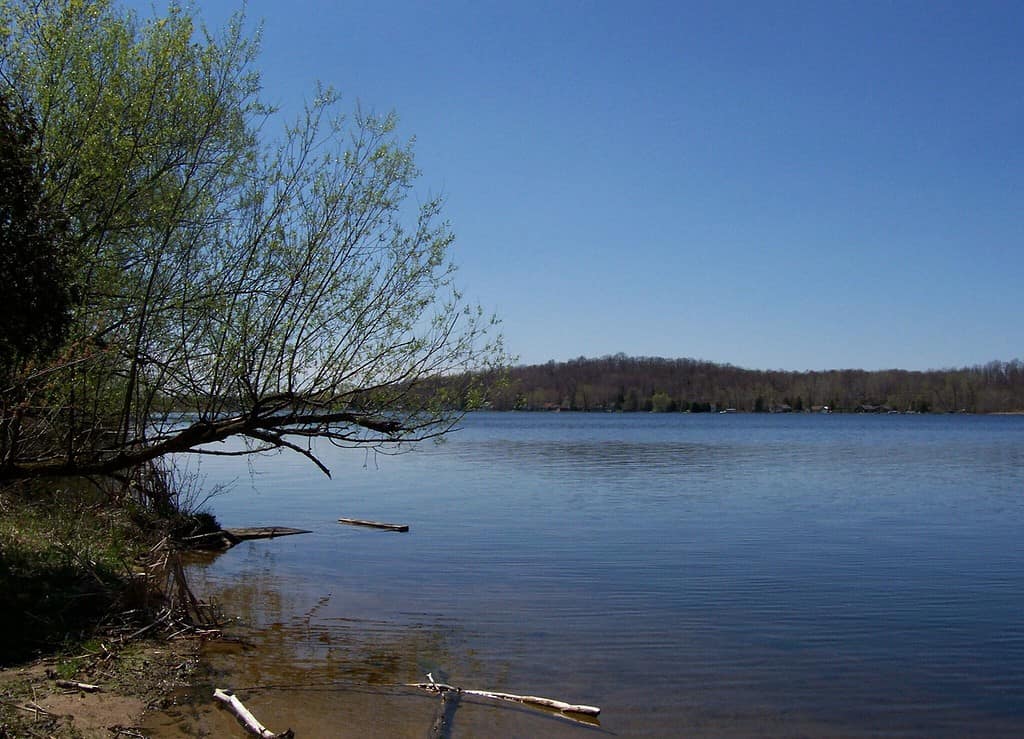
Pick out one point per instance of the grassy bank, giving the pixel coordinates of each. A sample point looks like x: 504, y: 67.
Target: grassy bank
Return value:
x: 66, y: 567
x: 89, y: 595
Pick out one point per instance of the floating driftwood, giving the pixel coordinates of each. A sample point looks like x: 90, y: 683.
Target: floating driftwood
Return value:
x: 374, y: 524
x: 251, y: 724
x: 227, y: 538
x: 265, y: 532
x: 561, y: 707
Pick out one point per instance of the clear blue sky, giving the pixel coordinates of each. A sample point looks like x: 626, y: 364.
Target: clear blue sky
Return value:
x: 787, y: 185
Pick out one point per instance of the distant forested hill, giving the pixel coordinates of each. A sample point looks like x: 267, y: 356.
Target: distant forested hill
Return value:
x: 622, y: 383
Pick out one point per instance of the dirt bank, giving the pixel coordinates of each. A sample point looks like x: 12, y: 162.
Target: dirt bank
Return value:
x: 37, y: 701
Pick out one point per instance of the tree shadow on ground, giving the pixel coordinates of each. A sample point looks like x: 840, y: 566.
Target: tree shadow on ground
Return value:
x: 50, y: 601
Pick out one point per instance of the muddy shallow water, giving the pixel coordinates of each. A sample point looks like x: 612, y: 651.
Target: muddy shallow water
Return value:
x: 325, y: 675
x: 697, y: 576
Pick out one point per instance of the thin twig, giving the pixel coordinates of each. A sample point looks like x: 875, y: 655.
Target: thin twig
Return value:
x: 144, y: 629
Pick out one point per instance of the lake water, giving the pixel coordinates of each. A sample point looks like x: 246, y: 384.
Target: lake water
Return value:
x: 692, y: 575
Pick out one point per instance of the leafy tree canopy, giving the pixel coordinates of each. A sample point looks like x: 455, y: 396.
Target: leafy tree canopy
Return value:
x: 229, y: 285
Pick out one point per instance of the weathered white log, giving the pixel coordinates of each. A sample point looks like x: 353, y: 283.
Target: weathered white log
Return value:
x: 538, y: 701
x: 87, y: 687
x: 374, y: 524
x: 252, y: 725
x: 527, y: 699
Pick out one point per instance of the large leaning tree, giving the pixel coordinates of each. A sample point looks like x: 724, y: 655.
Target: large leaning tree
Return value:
x: 225, y: 287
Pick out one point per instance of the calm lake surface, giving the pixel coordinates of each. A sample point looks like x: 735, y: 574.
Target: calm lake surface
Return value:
x: 692, y: 575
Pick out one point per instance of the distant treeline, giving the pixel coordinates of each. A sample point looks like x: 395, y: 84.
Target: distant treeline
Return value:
x: 621, y: 383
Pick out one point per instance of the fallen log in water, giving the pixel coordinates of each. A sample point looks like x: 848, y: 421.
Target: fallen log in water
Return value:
x: 538, y: 701
x: 246, y: 718
x: 212, y: 540
x: 560, y: 706
x: 264, y: 532
x: 227, y: 538
x: 374, y: 524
